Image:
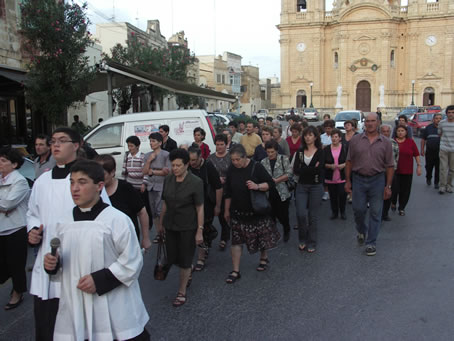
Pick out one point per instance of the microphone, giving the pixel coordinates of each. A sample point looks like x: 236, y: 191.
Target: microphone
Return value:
x: 54, y: 244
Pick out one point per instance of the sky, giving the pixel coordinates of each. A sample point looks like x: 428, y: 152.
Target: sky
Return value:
x: 244, y: 27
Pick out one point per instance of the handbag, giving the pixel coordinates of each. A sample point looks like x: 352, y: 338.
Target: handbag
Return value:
x: 259, y: 200
x: 161, y: 269
x: 291, y: 184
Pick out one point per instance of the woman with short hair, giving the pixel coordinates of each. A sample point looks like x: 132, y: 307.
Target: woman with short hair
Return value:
x: 277, y: 135
x: 257, y: 231
x: 294, y: 140
x: 199, y: 137
x: 14, y: 194
x: 181, y: 218
x: 403, y: 176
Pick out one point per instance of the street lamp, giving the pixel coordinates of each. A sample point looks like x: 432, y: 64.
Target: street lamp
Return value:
x: 312, y: 84
x: 412, y: 92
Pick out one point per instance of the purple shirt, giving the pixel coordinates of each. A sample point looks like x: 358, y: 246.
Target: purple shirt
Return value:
x: 370, y: 159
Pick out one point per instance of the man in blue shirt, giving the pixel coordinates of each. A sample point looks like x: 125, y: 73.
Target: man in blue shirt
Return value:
x: 431, y: 141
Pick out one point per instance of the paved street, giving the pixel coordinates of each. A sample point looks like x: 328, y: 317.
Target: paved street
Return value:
x: 338, y: 293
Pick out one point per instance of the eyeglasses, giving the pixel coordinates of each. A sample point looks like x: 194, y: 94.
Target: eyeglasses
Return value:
x: 60, y: 141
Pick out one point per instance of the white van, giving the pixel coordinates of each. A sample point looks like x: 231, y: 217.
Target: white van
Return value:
x: 110, y: 136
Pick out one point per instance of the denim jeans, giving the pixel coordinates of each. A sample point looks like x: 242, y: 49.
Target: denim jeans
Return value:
x: 368, y: 190
x: 308, y: 201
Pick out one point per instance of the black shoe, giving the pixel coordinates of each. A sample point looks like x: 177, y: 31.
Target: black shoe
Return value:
x: 436, y: 186
x: 343, y: 216
x: 429, y: 182
x: 333, y: 216
x: 386, y: 218
x: 10, y: 306
x: 286, y: 236
x: 371, y: 250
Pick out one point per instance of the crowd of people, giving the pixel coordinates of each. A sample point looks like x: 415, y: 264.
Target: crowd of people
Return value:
x: 248, y: 182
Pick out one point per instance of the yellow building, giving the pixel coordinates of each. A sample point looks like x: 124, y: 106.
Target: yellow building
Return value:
x: 366, y: 54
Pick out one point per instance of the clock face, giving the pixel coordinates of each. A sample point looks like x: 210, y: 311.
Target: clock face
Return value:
x: 431, y: 40
x: 301, y: 47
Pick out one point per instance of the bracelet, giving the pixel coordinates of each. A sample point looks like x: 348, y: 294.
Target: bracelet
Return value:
x: 201, y: 227
x: 258, y: 187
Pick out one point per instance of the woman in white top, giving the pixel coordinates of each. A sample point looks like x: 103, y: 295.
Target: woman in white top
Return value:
x: 14, y: 193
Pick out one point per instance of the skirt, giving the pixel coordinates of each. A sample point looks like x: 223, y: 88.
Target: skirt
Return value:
x: 259, y: 233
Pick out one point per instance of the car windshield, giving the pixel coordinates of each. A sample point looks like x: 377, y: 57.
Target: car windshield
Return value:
x: 347, y: 115
x: 434, y: 108
x: 409, y: 112
x: 425, y: 117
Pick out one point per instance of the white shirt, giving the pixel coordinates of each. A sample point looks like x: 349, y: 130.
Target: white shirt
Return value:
x: 88, y: 246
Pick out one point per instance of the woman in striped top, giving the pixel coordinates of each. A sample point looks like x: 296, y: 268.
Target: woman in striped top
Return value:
x: 133, y: 164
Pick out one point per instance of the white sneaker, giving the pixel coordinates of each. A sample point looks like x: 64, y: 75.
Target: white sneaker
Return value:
x: 448, y: 189
x: 325, y: 196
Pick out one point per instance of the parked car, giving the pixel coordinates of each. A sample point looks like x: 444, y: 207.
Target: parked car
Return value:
x: 289, y: 112
x: 346, y: 115
x: 263, y: 113
x: 408, y: 111
x: 311, y: 114
x: 419, y: 121
x: 433, y: 109
x: 110, y: 136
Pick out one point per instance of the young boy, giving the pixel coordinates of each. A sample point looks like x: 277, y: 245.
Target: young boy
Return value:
x: 99, y: 261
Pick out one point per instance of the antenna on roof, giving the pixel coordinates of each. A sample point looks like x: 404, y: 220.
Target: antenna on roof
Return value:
x: 113, y: 10
x: 137, y: 17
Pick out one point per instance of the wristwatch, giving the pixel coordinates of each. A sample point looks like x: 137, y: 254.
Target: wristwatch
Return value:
x: 388, y: 187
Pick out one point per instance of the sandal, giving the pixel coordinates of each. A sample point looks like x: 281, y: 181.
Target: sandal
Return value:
x: 179, y: 300
x: 200, y: 265
x: 263, y: 265
x: 222, y: 245
x: 231, y: 278
x: 393, y: 208
x: 401, y: 212
x: 311, y: 249
x: 302, y: 247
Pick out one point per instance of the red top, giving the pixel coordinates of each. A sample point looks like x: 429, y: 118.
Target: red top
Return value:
x: 205, y: 150
x: 293, y: 147
x: 407, y: 151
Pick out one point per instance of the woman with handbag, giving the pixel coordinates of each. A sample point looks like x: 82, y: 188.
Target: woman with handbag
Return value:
x: 278, y: 166
x: 309, y: 166
x: 246, y: 210
x: 181, y: 218
x: 335, y: 157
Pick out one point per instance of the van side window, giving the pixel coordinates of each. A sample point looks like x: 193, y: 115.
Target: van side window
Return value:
x: 107, y: 137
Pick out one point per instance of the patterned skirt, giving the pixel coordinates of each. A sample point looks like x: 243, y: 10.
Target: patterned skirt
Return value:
x: 257, y: 232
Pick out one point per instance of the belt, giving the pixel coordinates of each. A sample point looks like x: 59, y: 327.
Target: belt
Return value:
x: 367, y: 176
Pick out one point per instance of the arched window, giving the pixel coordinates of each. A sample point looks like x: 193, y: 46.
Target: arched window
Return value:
x: 336, y: 60
x: 392, y: 59
x: 301, y: 6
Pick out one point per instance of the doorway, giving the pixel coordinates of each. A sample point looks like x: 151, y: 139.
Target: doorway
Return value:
x: 429, y: 97
x: 363, y: 96
x: 301, y: 99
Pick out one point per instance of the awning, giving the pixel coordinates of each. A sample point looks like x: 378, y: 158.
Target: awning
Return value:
x: 13, y: 74
x: 123, y: 75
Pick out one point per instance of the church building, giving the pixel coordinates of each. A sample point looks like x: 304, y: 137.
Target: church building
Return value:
x: 365, y: 54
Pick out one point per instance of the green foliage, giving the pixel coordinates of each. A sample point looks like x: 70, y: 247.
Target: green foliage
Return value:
x: 171, y: 62
x: 56, y: 38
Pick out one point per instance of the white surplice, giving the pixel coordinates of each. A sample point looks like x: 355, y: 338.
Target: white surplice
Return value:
x: 50, y: 203
x: 86, y: 247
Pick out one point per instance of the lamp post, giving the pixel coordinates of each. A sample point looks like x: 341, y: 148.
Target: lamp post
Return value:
x: 312, y: 84
x: 412, y: 92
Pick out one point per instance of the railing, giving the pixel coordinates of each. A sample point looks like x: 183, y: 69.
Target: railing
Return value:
x: 433, y: 7
x: 301, y: 15
x: 329, y: 15
x: 403, y: 9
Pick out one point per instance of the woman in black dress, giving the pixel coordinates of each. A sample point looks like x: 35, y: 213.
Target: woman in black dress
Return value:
x: 258, y: 232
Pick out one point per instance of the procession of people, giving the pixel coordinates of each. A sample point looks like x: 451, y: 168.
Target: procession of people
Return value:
x: 91, y: 230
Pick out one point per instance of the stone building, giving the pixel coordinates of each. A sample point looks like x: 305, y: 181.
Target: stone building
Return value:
x: 250, y: 101
x: 112, y: 33
x: 365, y: 54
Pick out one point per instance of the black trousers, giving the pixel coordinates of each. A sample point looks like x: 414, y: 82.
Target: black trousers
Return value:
x: 386, y: 206
x: 401, y: 189
x: 146, y: 201
x: 433, y: 161
x: 45, y: 315
x: 337, y: 197
x: 13, y: 258
x: 280, y: 209
x: 225, y: 227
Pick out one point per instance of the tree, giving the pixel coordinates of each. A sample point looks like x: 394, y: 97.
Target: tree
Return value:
x: 171, y: 62
x: 56, y: 38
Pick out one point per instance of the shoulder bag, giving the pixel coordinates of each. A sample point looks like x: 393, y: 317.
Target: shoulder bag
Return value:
x: 291, y: 184
x: 259, y: 200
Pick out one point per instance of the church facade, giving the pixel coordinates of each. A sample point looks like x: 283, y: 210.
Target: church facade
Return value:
x: 366, y: 54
